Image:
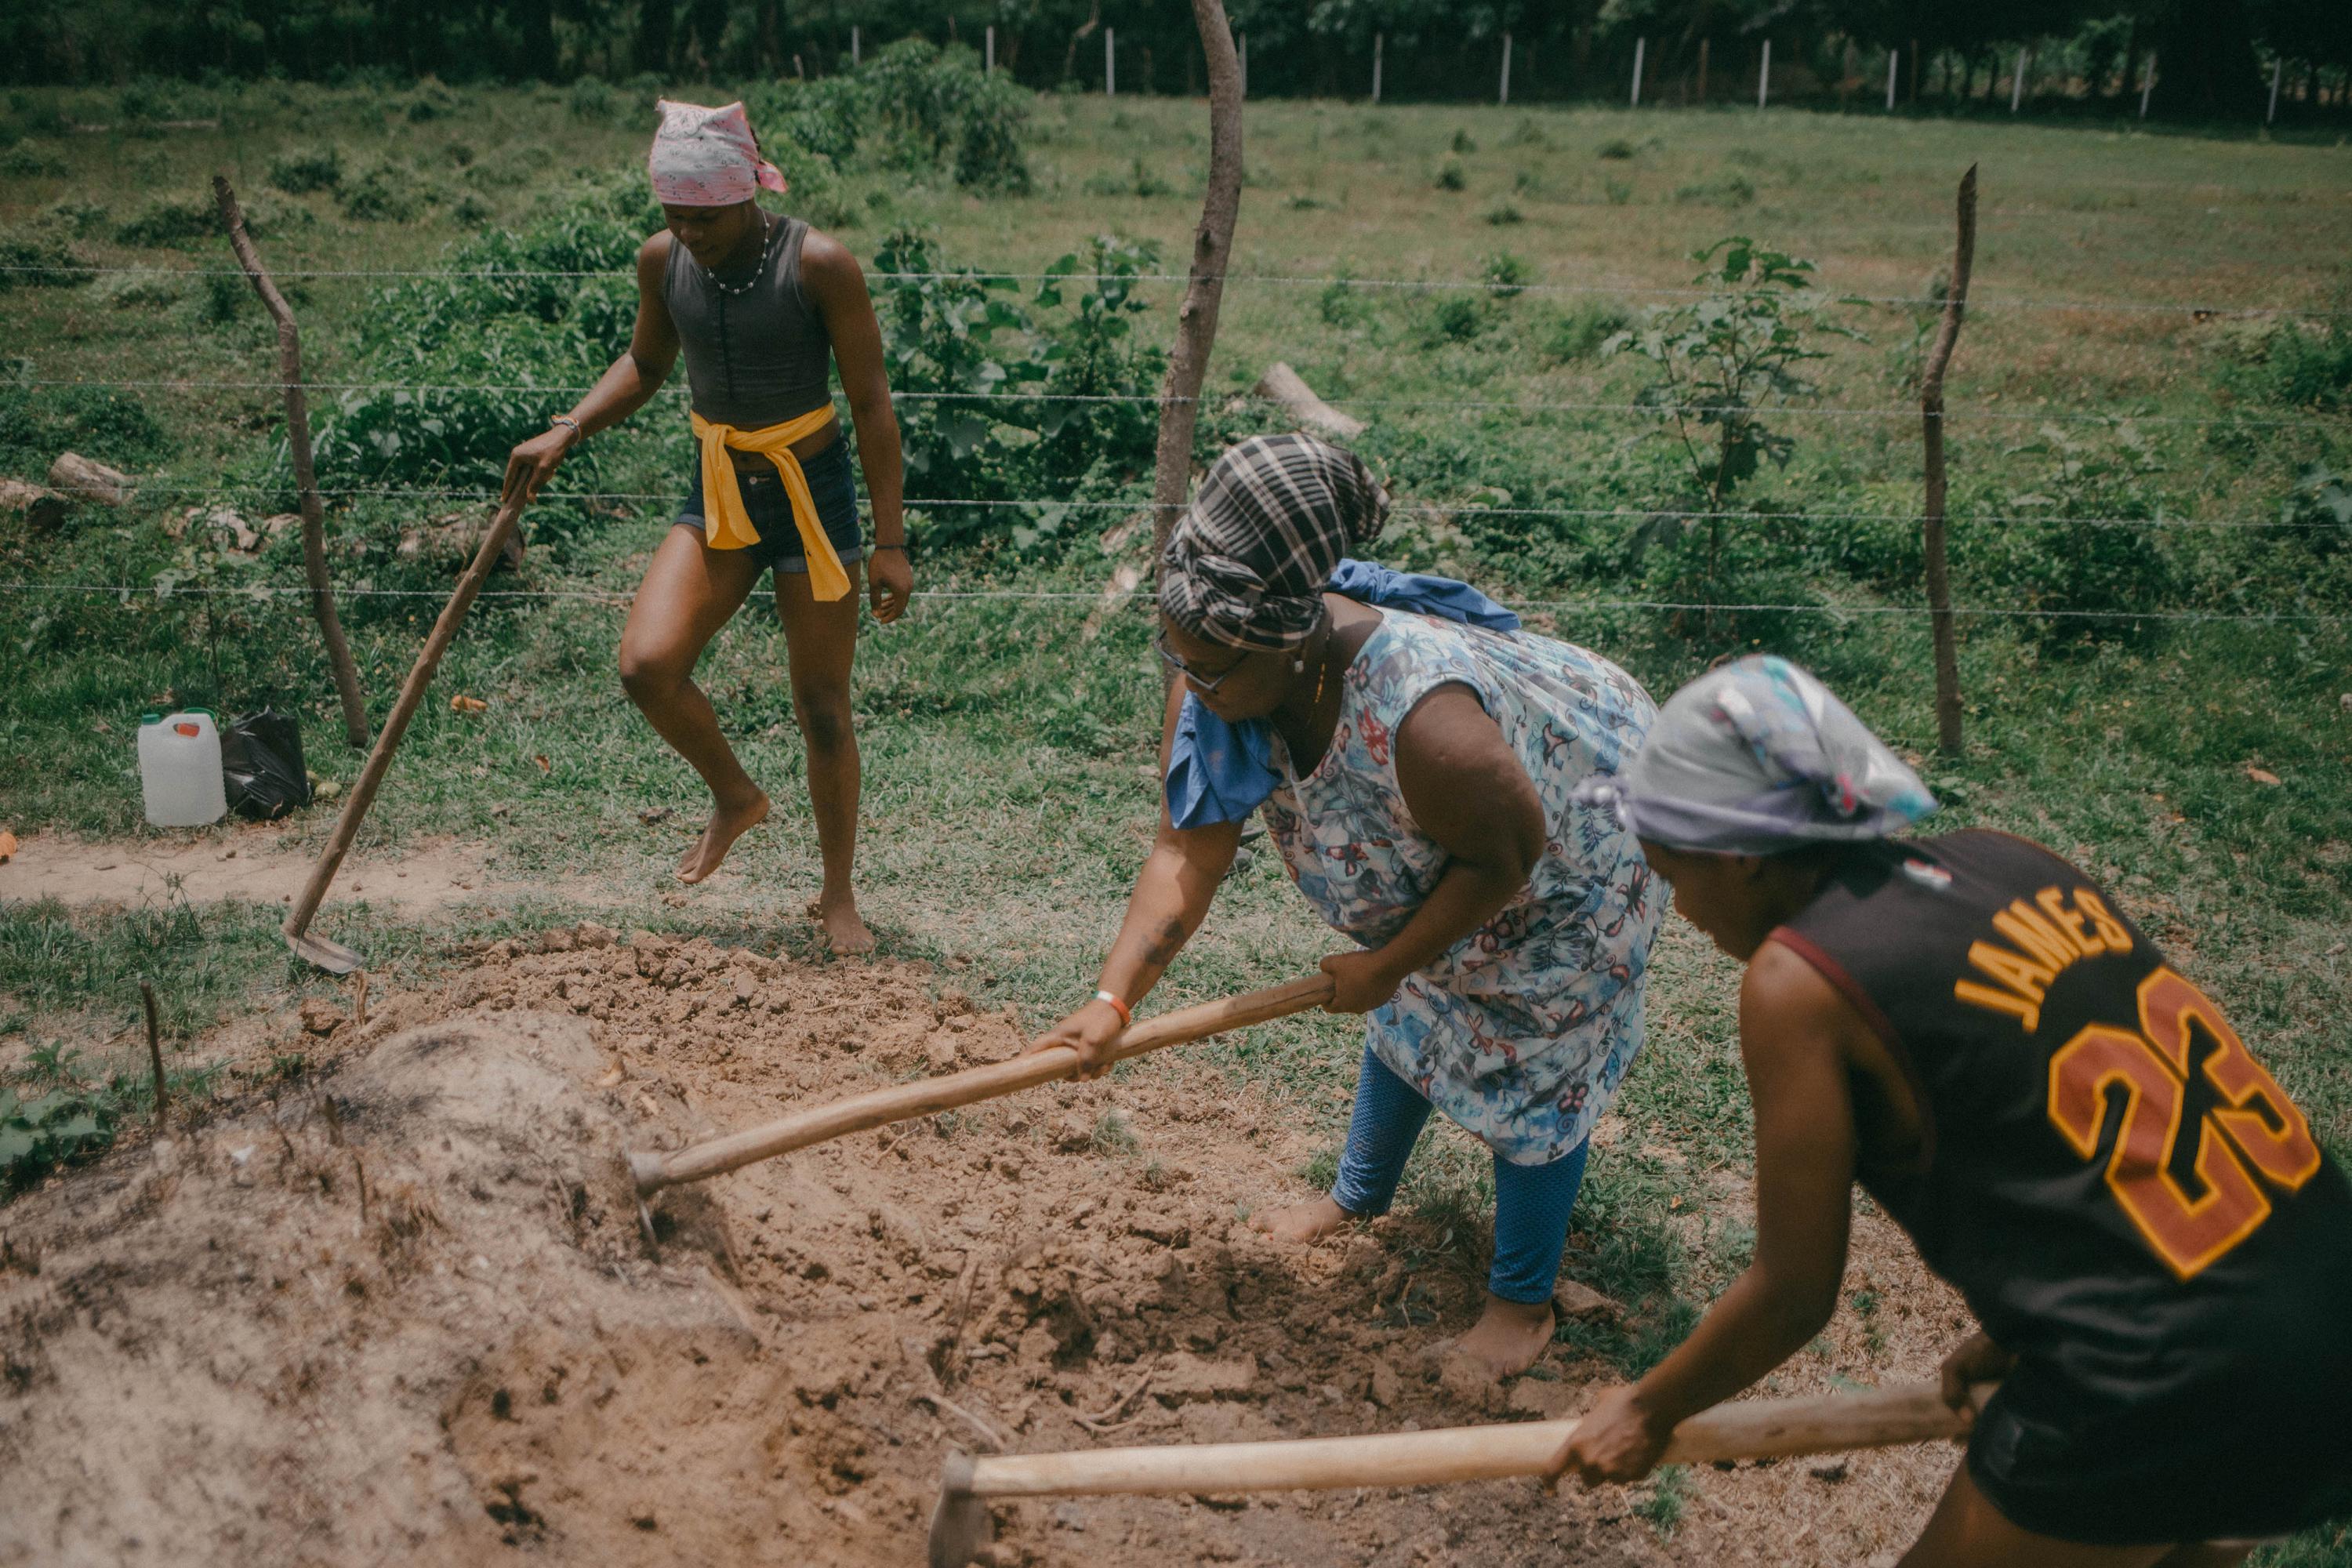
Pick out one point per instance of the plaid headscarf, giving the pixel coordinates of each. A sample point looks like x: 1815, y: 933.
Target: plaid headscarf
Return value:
x: 1245, y: 566
x: 1758, y: 757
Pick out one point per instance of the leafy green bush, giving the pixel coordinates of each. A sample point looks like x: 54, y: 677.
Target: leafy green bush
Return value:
x: 307, y: 169
x: 1504, y: 213
x: 1343, y: 304
x: 2087, y: 556
x: 1450, y: 176
x: 913, y: 105
x: 30, y: 161
x: 40, y: 258
x: 951, y: 332
x: 387, y: 192
x: 2302, y: 367
x: 1722, y: 191
x: 78, y: 218
x: 1455, y: 319
x: 1138, y: 180
x: 1617, y: 148
x: 593, y: 98
x: 1583, y: 328
x: 171, y: 221
x: 1506, y: 275
x: 1462, y: 140
x: 36, y: 423
x: 56, y: 1127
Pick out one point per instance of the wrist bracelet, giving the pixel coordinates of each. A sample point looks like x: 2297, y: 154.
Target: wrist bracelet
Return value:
x: 578, y: 434
x: 1126, y: 1013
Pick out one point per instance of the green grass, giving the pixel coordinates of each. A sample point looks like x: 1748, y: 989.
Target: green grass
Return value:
x: 1004, y: 812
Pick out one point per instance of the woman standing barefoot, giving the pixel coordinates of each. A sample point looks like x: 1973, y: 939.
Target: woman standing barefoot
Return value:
x: 763, y: 307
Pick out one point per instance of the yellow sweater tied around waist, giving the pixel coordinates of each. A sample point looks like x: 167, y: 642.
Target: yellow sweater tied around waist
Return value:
x: 728, y: 526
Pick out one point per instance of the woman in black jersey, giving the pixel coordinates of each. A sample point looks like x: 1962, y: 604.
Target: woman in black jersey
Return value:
x: 2159, y: 1253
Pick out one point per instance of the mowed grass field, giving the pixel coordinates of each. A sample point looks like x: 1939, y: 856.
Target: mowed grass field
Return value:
x: 2198, y: 766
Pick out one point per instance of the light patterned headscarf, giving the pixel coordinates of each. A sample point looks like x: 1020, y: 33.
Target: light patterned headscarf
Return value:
x: 1245, y: 566
x: 707, y: 157
x: 1756, y: 758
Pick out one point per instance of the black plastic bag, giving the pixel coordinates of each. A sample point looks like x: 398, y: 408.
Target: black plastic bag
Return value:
x: 261, y: 765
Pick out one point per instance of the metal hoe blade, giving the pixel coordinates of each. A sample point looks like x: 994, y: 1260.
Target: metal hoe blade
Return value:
x: 332, y: 956
x: 959, y: 1520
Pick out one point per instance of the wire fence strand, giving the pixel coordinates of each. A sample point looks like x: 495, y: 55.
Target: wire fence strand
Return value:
x: 1654, y: 410
x: 127, y: 590
x: 2193, y: 308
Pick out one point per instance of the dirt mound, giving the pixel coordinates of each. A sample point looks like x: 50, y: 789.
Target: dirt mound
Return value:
x: 403, y: 1312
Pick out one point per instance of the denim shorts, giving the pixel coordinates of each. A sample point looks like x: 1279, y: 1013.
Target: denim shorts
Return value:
x: 830, y: 485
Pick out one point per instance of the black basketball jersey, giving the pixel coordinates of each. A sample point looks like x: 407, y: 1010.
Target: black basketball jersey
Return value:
x: 2109, y: 1177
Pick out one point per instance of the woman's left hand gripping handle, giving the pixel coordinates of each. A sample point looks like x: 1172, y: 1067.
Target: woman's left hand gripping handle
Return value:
x: 530, y: 464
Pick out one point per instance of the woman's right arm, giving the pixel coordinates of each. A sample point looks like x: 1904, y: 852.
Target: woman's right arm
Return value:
x: 620, y: 392
x: 1171, y: 898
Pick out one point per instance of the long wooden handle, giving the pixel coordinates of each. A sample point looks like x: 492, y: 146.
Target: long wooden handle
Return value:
x: 1752, y: 1429
x: 412, y: 692
x: 928, y: 1097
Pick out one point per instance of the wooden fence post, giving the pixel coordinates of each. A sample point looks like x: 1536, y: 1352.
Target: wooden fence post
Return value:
x: 305, y: 473
x: 1931, y: 413
x: 1213, y: 249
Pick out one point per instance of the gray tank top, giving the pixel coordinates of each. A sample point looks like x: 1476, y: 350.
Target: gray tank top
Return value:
x: 755, y: 358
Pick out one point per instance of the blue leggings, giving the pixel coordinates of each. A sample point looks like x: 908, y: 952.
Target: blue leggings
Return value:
x: 1532, y: 1203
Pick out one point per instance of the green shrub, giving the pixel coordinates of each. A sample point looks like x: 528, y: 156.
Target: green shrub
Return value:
x: 171, y: 221
x: 1616, y: 147
x: 1506, y: 275
x: 913, y: 105
x: 36, y: 423
x: 431, y: 100
x: 1504, y: 214
x: 40, y: 258
x: 56, y: 1127
x: 307, y: 169
x: 386, y: 192
x: 81, y: 218
x: 1450, y: 176
x: 1722, y: 191
x: 1138, y: 180
x: 2302, y: 367
x: 139, y: 291
x: 1526, y: 133
x: 1619, y: 192
x: 1455, y: 319
x: 593, y: 98
x: 29, y: 161
x: 1343, y: 304
x: 1582, y: 329
x: 1461, y: 142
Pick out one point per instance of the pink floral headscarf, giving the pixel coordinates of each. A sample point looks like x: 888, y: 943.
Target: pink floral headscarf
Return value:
x: 707, y: 157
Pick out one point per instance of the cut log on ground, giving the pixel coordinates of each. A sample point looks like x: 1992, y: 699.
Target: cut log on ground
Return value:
x: 75, y: 475
x: 1282, y: 386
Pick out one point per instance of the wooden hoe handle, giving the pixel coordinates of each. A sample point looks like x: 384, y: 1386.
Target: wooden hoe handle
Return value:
x: 387, y: 741
x: 1752, y: 1429
x: 928, y: 1097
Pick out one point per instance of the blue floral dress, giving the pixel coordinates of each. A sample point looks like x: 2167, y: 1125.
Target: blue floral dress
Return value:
x: 1522, y: 1032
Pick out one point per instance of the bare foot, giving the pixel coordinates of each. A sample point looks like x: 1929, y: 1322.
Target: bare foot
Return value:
x: 844, y: 929
x: 1310, y: 1221
x: 1508, y: 1339
x: 727, y: 823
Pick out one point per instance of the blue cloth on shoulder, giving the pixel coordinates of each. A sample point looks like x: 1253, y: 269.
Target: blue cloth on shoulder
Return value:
x: 1220, y: 771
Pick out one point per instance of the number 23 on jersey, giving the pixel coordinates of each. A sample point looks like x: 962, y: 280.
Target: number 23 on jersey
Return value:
x: 2252, y: 1124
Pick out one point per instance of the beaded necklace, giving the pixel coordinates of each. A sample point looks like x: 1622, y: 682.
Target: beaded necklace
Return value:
x: 769, y: 231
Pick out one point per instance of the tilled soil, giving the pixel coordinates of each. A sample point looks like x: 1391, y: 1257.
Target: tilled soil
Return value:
x: 401, y: 1312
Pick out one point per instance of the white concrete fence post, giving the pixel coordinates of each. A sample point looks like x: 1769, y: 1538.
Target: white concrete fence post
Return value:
x: 1639, y: 46
x: 1245, y: 65
x: 2277, y: 66
x: 2017, y: 80
x: 1378, y: 40
x: 1111, y: 63
x: 2147, y: 84
x: 1892, y: 55
x: 1764, y: 76
x: 1503, y: 93
x: 856, y: 55
x: 988, y: 66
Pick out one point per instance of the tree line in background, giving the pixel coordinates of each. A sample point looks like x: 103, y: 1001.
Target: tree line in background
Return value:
x: 2215, y: 60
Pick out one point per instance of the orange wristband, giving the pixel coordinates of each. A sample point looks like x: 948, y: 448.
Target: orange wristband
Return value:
x: 1126, y: 1013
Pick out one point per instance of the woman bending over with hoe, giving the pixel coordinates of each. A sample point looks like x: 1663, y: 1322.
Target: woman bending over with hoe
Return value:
x: 1413, y: 751
x: 2159, y: 1254
x: 763, y: 306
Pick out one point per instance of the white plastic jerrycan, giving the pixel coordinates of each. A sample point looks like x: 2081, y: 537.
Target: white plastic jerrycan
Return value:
x: 180, y: 768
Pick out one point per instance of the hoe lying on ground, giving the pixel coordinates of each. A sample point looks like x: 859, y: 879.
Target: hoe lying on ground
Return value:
x: 1756, y: 1430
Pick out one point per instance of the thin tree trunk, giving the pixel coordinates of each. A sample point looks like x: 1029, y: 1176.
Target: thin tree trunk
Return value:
x: 1931, y: 412
x: 1213, y: 249
x: 306, y: 476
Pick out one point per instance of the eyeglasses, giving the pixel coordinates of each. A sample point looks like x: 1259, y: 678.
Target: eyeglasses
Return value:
x: 1199, y: 682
